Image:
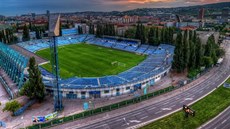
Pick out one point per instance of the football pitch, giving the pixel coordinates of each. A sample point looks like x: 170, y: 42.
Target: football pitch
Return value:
x: 85, y: 60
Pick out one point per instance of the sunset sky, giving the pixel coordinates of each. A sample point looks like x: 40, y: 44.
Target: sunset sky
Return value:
x: 17, y: 7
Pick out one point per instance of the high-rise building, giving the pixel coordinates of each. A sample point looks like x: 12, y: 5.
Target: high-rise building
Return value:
x: 33, y: 16
x: 47, y: 13
x: 225, y: 14
x: 201, y: 14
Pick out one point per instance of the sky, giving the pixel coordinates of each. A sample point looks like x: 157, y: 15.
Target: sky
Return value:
x: 18, y: 7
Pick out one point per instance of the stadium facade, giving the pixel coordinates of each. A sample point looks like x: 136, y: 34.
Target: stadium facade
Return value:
x: 146, y: 74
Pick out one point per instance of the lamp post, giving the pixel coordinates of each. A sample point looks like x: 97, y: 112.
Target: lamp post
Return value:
x: 54, y: 32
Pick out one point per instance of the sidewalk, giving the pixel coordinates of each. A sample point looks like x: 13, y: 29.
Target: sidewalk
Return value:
x: 70, y: 106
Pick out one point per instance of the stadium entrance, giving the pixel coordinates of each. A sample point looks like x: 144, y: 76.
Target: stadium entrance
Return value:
x: 95, y: 94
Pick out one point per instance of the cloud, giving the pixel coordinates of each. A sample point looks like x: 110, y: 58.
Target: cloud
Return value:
x: 12, y: 7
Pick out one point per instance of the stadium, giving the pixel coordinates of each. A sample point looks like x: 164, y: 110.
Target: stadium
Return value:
x: 93, y: 67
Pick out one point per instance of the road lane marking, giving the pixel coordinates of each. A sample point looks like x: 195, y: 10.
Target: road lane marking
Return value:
x: 158, y: 112
x: 136, y: 114
x: 134, y: 121
x: 152, y: 108
x: 173, y: 106
x: 144, y: 117
x: 166, y: 109
x: 118, y: 120
x: 125, y: 121
x: 223, y: 121
x: 188, y: 99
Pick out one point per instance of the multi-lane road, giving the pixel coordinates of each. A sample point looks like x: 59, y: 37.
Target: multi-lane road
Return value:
x: 146, y: 114
x: 222, y: 121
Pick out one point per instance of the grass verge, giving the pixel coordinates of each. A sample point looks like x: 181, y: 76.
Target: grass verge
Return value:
x: 206, y: 109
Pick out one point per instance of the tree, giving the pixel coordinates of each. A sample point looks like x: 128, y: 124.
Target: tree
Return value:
x: 151, y: 36
x: 12, y: 106
x: 186, y: 50
x: 34, y: 88
x: 178, y: 62
x: 192, y: 59
x: 80, y: 31
x: 207, y: 61
x: 199, y: 52
x: 130, y: 33
x: 26, y: 33
x: 143, y: 37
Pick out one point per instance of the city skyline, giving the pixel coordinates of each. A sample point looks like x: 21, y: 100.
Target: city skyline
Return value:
x: 13, y: 7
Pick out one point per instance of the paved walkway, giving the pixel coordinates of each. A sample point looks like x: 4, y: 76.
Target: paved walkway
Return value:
x: 70, y: 106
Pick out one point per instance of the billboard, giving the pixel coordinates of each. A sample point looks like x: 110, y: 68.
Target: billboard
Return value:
x: 48, y: 117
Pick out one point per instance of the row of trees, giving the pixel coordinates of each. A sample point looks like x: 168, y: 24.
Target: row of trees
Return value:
x: 7, y: 36
x: 191, y: 54
x: 151, y: 35
x: 107, y: 29
x: 163, y: 35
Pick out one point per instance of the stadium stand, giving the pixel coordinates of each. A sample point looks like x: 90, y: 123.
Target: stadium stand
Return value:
x: 155, y: 65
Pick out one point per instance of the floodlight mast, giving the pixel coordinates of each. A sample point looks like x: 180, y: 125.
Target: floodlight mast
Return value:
x: 54, y: 32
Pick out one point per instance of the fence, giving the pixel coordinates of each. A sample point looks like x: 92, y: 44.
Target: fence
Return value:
x: 101, y: 109
x: 111, y: 107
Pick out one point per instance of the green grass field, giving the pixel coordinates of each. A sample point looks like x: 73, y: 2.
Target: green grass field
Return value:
x: 84, y: 60
x: 206, y: 109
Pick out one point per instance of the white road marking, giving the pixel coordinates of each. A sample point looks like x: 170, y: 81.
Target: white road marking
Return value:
x: 188, y: 99
x: 165, y: 103
x: 134, y: 121
x: 166, y: 109
x: 118, y: 120
x: 136, y: 114
x: 173, y: 106
x: 158, y: 112
x: 144, y: 117
x: 125, y: 121
x: 152, y: 108
x: 223, y: 121
x: 123, y: 125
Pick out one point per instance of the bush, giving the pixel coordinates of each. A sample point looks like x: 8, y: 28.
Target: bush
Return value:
x: 193, y: 73
x: 12, y: 106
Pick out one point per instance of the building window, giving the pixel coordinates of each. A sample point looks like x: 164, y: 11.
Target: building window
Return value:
x: 127, y: 88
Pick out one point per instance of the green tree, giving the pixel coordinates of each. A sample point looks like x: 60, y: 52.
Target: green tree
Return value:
x: 199, y: 52
x: 207, y: 61
x: 12, y: 106
x: 151, y: 36
x: 186, y: 50
x: 192, y: 58
x: 130, y: 33
x: 178, y: 62
x: 34, y: 88
x: 26, y: 33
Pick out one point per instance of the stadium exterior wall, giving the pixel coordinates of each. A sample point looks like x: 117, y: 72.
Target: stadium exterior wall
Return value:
x: 110, y: 91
